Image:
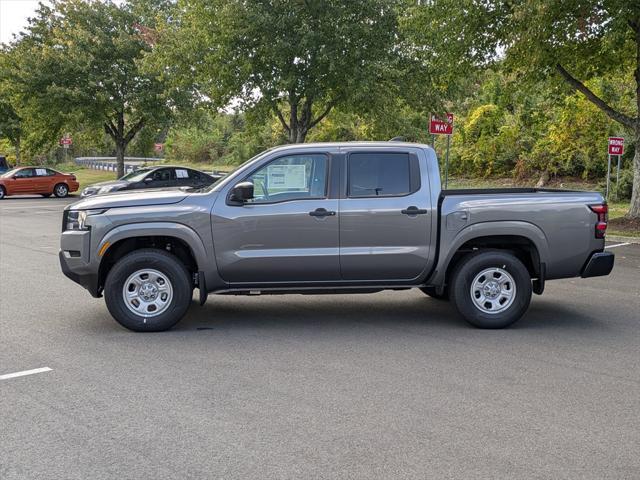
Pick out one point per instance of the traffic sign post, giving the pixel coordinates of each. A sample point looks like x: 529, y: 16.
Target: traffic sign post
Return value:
x: 616, y: 147
x: 443, y: 127
x: 66, y: 141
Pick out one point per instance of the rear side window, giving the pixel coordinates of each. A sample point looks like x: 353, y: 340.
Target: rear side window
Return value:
x: 379, y: 174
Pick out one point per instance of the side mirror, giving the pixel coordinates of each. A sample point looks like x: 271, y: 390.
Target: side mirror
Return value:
x: 242, y: 192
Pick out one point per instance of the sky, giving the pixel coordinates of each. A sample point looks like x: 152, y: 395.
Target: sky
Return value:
x: 13, y: 16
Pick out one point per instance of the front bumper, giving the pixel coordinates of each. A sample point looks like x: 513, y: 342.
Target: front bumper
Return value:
x: 600, y: 263
x: 87, y: 280
x: 75, y: 262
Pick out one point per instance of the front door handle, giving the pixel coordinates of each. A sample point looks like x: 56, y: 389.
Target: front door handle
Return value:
x: 412, y: 210
x: 322, y: 212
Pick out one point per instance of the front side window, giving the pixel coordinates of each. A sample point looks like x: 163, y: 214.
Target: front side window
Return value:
x: 379, y: 174
x: 162, y: 175
x: 294, y: 177
x: 25, y: 173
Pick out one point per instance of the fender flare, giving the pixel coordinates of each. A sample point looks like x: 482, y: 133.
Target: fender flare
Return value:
x: 164, y: 229
x: 527, y: 230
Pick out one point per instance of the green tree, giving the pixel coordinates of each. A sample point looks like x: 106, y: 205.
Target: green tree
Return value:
x: 577, y: 41
x: 296, y: 60
x: 83, y: 58
x: 10, y: 121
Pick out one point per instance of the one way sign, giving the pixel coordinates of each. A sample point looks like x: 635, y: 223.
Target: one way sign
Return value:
x: 441, y: 127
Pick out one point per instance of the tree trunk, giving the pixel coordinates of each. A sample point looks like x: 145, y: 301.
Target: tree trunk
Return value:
x: 544, y: 178
x: 297, y: 134
x: 634, y: 209
x: 16, y: 146
x: 120, y: 149
x: 299, y: 126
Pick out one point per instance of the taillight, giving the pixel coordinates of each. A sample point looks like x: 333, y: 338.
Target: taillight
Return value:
x: 602, y: 211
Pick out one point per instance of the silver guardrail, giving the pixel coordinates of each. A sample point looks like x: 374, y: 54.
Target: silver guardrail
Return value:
x: 110, y: 163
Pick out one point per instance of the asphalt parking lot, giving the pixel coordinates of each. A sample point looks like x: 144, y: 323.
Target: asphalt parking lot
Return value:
x: 388, y: 385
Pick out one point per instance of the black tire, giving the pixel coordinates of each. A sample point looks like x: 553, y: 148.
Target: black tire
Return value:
x: 473, y: 265
x: 2, y: 192
x: 165, y: 263
x: 61, y: 190
x: 431, y: 292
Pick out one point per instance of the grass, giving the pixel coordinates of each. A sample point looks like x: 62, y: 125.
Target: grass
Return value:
x: 86, y: 176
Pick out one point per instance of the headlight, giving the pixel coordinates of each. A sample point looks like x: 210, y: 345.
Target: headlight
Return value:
x: 87, y: 192
x: 76, y: 219
x: 107, y: 189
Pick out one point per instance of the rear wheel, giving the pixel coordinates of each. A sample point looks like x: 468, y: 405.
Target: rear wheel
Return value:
x: 491, y: 289
x: 2, y: 192
x: 148, y: 290
x: 61, y: 190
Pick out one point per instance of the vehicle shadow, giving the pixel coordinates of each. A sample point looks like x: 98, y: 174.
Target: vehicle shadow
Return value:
x: 318, y: 312
x: 408, y: 310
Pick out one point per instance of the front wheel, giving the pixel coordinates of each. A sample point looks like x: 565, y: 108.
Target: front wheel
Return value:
x: 2, y: 192
x: 148, y: 290
x: 491, y: 289
x: 61, y: 190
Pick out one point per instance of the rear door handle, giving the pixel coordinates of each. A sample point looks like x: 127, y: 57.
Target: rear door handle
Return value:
x: 322, y: 212
x: 412, y: 210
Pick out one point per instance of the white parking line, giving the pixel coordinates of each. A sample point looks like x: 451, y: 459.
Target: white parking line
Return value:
x: 33, y: 206
x: 617, y: 245
x: 24, y: 373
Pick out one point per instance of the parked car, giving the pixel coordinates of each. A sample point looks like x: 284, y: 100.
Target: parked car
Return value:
x: 327, y: 218
x: 4, y: 165
x: 153, y: 177
x: 37, y: 180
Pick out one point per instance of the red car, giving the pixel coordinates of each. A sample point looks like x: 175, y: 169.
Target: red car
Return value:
x: 37, y: 180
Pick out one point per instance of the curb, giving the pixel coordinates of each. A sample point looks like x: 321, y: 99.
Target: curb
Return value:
x: 616, y: 238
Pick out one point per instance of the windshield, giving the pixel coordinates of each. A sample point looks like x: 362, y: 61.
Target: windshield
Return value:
x: 136, y: 175
x: 9, y: 173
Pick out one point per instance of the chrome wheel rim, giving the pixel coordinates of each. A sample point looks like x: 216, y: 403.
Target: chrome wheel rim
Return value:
x: 61, y: 190
x: 493, y: 290
x: 147, y: 292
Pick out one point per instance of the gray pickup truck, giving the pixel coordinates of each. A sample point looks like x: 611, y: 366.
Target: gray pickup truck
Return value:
x: 332, y: 218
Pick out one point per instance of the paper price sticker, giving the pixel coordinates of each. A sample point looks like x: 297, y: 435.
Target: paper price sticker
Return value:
x: 287, y: 176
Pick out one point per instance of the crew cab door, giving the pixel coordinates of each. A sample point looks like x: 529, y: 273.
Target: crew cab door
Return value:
x: 385, y: 216
x: 24, y: 181
x: 288, y: 232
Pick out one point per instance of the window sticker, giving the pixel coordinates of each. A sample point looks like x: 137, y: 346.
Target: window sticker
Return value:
x: 286, y: 176
x: 181, y: 173
x: 41, y: 172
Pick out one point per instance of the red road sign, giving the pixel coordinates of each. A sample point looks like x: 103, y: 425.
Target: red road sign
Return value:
x: 441, y: 127
x: 66, y: 141
x: 616, y: 145
x: 158, y: 147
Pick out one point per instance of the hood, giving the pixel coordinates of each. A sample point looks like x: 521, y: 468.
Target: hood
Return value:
x: 109, y: 183
x: 136, y: 198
